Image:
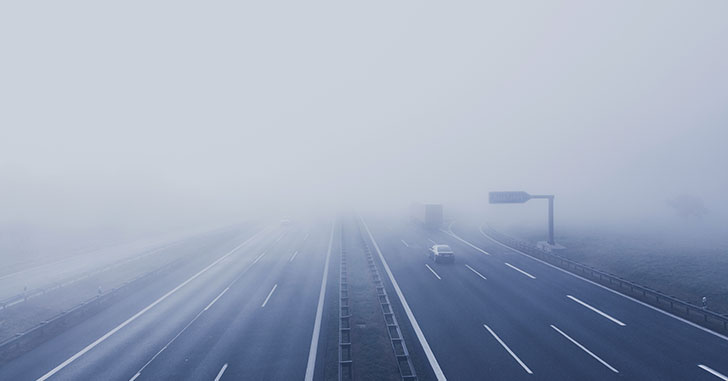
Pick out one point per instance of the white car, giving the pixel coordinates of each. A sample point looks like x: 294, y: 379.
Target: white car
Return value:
x: 442, y: 253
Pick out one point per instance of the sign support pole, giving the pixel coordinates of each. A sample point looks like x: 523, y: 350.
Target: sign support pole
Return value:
x: 551, y: 221
x: 551, y: 215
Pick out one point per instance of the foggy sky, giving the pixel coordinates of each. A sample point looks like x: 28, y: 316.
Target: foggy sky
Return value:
x: 145, y: 112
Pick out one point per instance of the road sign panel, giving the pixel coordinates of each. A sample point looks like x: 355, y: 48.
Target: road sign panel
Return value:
x: 508, y: 197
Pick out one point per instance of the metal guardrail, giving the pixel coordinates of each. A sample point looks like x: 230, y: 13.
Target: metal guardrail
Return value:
x: 703, y: 316
x: 25, y: 341
x: 28, y: 294
x: 345, y: 361
x: 33, y: 337
x: 404, y: 360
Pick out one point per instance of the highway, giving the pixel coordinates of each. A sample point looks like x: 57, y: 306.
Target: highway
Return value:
x: 248, y: 307
x: 498, y: 314
x: 252, y: 306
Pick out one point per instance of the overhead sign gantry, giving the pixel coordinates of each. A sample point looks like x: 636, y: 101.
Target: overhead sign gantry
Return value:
x: 521, y: 197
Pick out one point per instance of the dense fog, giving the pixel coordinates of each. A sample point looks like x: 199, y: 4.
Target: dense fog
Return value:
x: 155, y: 115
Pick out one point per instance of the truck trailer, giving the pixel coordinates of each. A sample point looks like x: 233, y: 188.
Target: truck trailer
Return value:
x: 428, y: 215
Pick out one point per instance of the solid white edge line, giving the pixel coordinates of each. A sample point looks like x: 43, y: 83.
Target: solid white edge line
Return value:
x: 311, y: 365
x: 222, y: 370
x: 267, y: 298
x: 706, y: 330
x: 452, y: 234
x: 405, y: 243
x: 475, y: 271
x: 293, y: 256
x: 713, y: 372
x: 135, y: 377
x: 520, y: 271
x: 616, y: 321
x: 140, y: 313
x: 415, y: 326
x: 584, y: 349
x: 508, y: 349
x: 433, y: 271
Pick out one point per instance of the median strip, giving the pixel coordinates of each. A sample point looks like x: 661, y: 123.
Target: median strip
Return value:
x: 408, y: 311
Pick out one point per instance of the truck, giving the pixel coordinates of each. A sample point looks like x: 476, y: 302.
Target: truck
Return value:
x: 427, y: 215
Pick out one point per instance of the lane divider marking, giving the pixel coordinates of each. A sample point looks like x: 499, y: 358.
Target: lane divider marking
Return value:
x: 259, y: 257
x: 475, y: 271
x: 219, y: 374
x: 585, y: 350
x: 520, y: 271
x: 269, y: 295
x: 508, y: 349
x: 713, y: 372
x: 216, y: 298
x: 597, y: 311
x: 450, y: 233
x: 433, y: 271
